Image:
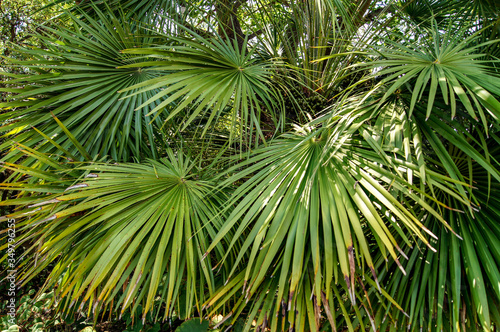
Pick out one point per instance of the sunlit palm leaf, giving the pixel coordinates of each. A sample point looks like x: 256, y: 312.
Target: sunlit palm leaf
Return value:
x: 458, y: 287
x: 390, y: 129
x: 445, y: 66
x: 308, y: 206
x: 140, y: 228
x: 312, y: 237
x: 205, y: 77
x: 77, y: 81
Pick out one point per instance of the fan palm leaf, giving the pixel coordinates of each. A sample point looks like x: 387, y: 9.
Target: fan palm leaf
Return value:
x: 308, y: 203
x: 77, y: 80
x: 333, y: 225
x: 456, y: 289
x: 391, y: 129
x: 130, y: 232
x: 147, y: 12
x: 204, y: 76
x: 446, y: 65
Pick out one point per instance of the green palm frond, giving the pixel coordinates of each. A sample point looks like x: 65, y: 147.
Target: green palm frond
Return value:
x: 124, y: 234
x: 391, y: 128
x: 77, y: 80
x: 133, y: 10
x: 308, y: 205
x: 42, y: 172
x: 425, y: 11
x: 306, y: 32
x: 47, y: 178
x: 445, y: 66
x: 483, y: 9
x: 456, y: 288
x: 345, y: 171
x: 206, y: 76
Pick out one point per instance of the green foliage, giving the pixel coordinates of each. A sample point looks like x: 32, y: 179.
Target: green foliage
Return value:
x: 206, y: 76
x: 193, y: 325
x: 37, y: 314
x: 160, y: 205
x: 464, y: 270
x: 259, y: 166
x: 79, y: 70
x: 449, y: 65
x: 18, y: 18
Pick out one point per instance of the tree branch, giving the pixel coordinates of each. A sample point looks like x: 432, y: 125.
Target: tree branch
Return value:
x: 254, y: 34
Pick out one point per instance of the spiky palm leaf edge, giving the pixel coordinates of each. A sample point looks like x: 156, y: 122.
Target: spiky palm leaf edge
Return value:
x: 459, y: 149
x: 76, y: 79
x: 97, y: 224
x: 310, y: 202
x: 449, y: 67
x: 134, y: 10
x: 206, y: 76
x: 456, y: 289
